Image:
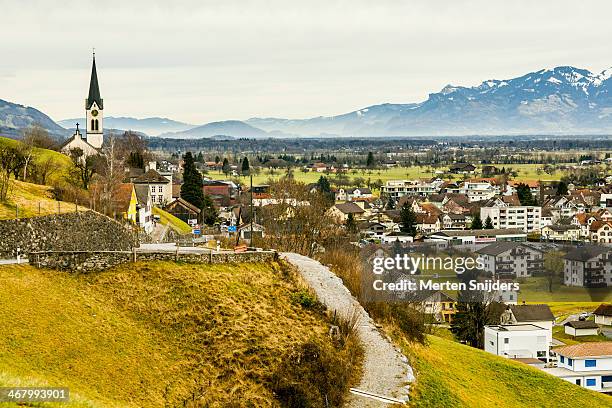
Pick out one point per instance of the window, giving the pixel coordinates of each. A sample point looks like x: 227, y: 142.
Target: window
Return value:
x: 578, y: 381
x: 590, y: 382
x: 93, y: 125
x: 562, y: 359
x: 590, y: 363
x: 570, y: 362
x: 506, y: 341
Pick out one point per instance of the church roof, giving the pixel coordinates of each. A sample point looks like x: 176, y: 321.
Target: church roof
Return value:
x: 94, y: 89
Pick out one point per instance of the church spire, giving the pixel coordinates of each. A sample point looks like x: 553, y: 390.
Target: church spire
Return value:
x: 94, y: 89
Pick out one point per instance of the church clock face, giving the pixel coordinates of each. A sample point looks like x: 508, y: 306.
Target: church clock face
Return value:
x: 94, y: 113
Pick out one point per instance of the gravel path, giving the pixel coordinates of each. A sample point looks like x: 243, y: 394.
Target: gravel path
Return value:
x: 386, y: 371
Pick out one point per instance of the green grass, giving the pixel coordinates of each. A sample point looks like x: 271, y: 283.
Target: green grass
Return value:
x: 31, y: 200
x: 450, y: 374
x: 176, y: 224
x: 525, y: 172
x: 535, y: 290
x: 153, y: 334
x: 41, y: 155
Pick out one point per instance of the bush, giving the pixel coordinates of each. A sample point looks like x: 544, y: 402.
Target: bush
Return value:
x: 304, y: 298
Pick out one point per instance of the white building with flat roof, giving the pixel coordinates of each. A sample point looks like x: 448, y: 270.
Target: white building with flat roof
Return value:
x: 517, y: 341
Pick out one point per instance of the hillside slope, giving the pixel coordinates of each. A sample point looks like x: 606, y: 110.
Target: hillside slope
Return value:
x: 14, y: 117
x: 31, y: 200
x: 450, y: 374
x: 155, y: 334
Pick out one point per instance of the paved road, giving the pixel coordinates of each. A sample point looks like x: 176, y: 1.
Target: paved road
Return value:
x: 386, y: 370
x: 13, y: 261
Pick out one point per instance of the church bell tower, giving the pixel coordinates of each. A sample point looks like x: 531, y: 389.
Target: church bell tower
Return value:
x: 94, y: 108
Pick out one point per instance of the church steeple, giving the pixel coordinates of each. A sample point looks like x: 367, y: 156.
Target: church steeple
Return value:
x: 94, y: 110
x: 94, y: 89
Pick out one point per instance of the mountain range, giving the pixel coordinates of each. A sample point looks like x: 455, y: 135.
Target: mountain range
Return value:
x: 563, y: 100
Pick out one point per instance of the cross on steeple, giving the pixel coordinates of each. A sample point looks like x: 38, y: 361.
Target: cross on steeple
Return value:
x: 77, y: 127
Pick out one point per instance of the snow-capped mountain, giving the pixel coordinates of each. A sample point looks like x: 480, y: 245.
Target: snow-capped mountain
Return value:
x: 563, y: 100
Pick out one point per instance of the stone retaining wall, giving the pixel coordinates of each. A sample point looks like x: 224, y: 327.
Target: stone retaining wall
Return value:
x: 91, y: 261
x: 82, y: 231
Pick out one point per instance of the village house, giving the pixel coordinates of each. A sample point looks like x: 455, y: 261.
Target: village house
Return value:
x: 439, y: 305
x: 462, y: 168
x: 341, y: 212
x: 560, y: 233
x: 517, y: 341
x: 603, y: 314
x: 144, y: 208
x: 478, y: 190
x: 588, y: 266
x: 511, y: 259
x: 588, y: 365
x: 601, y: 232
x: 184, y: 211
x: 223, y: 193
x: 477, y: 237
x: 124, y: 202
x: 451, y: 221
x: 159, y: 186
x: 505, y: 214
x: 581, y: 328
x: 353, y: 194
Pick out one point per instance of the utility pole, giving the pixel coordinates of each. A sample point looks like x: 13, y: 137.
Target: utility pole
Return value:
x: 252, y: 214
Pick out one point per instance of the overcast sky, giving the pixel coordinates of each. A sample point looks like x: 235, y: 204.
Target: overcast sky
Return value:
x: 201, y: 61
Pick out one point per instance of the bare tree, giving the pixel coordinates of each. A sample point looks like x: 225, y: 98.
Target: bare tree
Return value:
x: 11, y: 161
x: 111, y: 170
x: 553, y: 265
x: 84, y: 167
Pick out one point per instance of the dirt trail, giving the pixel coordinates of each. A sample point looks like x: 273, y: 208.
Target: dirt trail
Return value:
x: 386, y: 370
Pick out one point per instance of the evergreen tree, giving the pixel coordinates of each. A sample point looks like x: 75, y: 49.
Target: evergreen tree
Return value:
x: 226, y: 166
x: 476, y: 222
x: 488, y: 223
x: 351, y: 225
x: 408, y: 220
x: 562, y: 188
x: 323, y: 185
x: 245, y: 166
x: 370, y: 160
x: 217, y: 159
x: 390, y: 204
x: 200, y: 158
x: 191, y: 189
x: 524, y: 194
x: 209, y: 213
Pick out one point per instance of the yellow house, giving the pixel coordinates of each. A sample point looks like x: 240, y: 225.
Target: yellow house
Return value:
x: 124, y: 202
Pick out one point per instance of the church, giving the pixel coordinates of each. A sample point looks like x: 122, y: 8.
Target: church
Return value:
x: 94, y: 108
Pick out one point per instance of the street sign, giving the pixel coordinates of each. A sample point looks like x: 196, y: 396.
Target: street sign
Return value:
x: 197, y: 231
x: 231, y: 228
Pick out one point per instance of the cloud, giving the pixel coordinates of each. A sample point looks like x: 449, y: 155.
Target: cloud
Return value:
x: 200, y: 61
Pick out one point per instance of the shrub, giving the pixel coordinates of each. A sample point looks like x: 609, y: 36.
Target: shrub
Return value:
x: 304, y: 298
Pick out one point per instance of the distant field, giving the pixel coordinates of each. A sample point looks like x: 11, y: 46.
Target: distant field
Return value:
x: 526, y: 172
x: 450, y: 374
x: 30, y: 200
x: 153, y: 334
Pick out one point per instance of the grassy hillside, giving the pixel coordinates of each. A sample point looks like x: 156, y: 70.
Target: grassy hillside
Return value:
x: 62, y: 161
x: 32, y: 200
x: 176, y: 224
x: 450, y: 374
x: 157, y: 334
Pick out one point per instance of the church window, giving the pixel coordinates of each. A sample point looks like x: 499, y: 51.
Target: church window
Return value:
x: 93, y: 124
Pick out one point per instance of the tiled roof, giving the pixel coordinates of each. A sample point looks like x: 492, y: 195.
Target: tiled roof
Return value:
x: 582, y: 324
x: 593, y: 349
x: 531, y: 313
x: 151, y: 176
x: 605, y: 309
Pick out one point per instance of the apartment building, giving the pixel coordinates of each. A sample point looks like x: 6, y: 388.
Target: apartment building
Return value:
x: 506, y: 215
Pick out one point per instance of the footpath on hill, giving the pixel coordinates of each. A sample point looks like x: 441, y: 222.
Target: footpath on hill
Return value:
x: 386, y: 371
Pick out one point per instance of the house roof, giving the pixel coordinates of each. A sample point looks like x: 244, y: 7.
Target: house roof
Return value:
x: 183, y: 203
x: 586, y: 252
x: 596, y: 225
x: 592, y: 349
x: 605, y: 309
x: 151, y: 176
x: 350, y: 208
x: 482, y: 232
x: 426, y: 218
x: 142, y: 194
x: 498, y: 248
x: 122, y: 197
x: 577, y: 324
x: 531, y: 313
x: 562, y: 228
